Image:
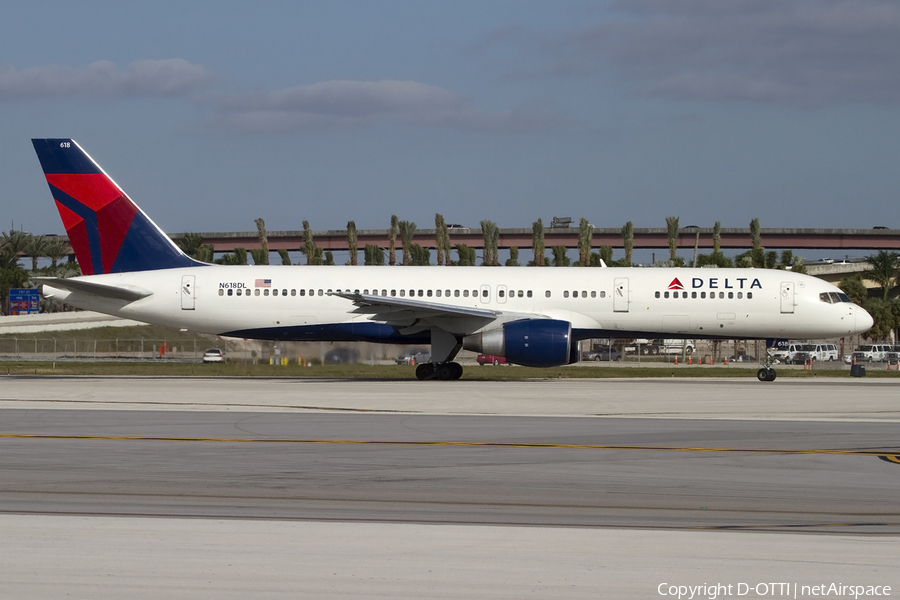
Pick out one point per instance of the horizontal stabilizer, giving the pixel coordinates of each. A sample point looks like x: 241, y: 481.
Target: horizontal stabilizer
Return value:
x: 114, y: 292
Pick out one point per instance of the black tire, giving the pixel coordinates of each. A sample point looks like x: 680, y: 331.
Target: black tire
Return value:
x: 689, y: 350
x: 425, y: 371
x: 496, y: 363
x: 763, y: 374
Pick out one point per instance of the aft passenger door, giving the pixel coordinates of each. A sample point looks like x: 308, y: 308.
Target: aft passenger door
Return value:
x: 620, y: 294
x: 188, y: 296
x: 787, y: 297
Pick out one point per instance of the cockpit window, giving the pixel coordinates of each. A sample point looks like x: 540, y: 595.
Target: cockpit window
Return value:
x: 834, y: 297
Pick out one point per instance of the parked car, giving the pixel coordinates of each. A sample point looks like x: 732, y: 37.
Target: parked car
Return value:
x: 491, y: 359
x: 606, y: 353
x: 342, y: 356
x: 413, y: 357
x: 742, y: 358
x: 213, y: 355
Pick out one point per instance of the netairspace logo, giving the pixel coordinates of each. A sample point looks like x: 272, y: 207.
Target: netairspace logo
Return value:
x: 772, y: 590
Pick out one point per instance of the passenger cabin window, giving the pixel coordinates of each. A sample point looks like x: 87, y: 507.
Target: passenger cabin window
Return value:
x: 465, y: 293
x: 566, y: 294
x: 547, y: 293
x: 502, y: 294
x: 230, y: 291
x: 221, y: 292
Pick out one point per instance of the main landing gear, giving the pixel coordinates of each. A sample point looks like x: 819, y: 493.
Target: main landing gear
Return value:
x: 445, y: 371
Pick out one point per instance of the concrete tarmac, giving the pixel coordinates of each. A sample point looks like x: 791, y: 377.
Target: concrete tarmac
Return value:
x: 337, y: 489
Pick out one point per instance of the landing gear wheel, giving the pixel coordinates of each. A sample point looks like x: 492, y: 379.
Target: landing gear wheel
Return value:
x: 457, y: 371
x: 425, y: 371
x: 447, y: 371
x: 766, y: 374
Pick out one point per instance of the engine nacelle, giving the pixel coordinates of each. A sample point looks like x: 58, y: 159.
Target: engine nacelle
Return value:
x: 529, y: 342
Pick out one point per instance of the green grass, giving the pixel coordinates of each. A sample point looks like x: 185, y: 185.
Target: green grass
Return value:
x: 472, y: 373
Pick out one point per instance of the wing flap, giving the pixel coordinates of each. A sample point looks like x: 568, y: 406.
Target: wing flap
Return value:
x: 409, y: 312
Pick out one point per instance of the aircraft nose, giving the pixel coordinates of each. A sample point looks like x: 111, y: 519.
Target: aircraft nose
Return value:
x: 864, y: 321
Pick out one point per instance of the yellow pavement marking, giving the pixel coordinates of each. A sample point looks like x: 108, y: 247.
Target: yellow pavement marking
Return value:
x: 889, y: 455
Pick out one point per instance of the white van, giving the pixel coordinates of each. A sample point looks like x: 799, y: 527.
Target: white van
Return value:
x: 871, y: 353
x: 785, y: 354
x: 801, y: 353
x: 826, y: 352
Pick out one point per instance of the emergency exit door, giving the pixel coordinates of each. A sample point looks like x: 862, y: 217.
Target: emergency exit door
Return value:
x: 187, y: 292
x: 787, y: 297
x: 620, y: 294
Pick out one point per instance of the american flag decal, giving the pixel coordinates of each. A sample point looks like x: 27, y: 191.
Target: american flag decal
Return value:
x: 263, y: 283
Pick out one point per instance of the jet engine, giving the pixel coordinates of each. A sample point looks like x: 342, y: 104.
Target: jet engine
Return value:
x: 528, y: 342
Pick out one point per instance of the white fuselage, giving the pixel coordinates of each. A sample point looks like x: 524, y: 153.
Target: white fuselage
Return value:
x: 270, y: 302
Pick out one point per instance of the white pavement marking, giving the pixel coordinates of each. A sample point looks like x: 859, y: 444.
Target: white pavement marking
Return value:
x: 798, y: 400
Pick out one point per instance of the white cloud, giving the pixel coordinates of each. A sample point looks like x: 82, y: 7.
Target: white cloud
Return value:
x: 142, y: 78
x: 803, y: 52
x: 362, y: 103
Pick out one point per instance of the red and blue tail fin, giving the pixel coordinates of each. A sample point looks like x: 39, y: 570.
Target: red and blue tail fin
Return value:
x: 108, y: 232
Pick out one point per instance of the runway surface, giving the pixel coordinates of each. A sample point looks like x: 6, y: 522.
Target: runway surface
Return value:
x: 429, y: 485
x: 454, y: 469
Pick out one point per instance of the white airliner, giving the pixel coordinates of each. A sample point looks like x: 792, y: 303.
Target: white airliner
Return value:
x: 531, y: 316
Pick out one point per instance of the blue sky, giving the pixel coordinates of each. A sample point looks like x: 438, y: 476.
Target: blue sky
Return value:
x: 211, y: 114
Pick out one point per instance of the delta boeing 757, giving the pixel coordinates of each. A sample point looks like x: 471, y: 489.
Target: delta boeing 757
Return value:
x: 531, y: 316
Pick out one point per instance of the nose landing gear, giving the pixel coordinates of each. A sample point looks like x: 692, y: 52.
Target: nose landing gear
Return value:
x: 766, y: 374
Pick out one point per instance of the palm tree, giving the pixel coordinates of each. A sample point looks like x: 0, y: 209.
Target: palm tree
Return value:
x: 491, y: 235
x: 190, y: 243
x: 310, y: 249
x: 628, y: 242
x: 419, y: 256
x: 55, y: 250
x: 559, y: 256
x: 441, y: 239
x: 537, y: 242
x: 513, y: 260
x: 35, y: 248
x: 374, y: 255
x: 585, y: 237
x: 884, y: 270
x: 757, y: 252
x: 259, y: 257
x: 392, y: 243
x: 466, y: 255
x: 263, y: 254
x: 285, y: 257
x: 407, y: 230
x: 207, y: 253
x: 717, y: 237
x: 352, y: 241
x: 672, y: 230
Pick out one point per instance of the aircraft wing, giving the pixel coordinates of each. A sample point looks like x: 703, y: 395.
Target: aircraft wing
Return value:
x: 115, y: 292
x: 411, y: 314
